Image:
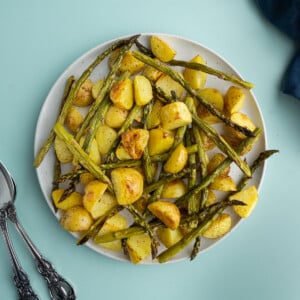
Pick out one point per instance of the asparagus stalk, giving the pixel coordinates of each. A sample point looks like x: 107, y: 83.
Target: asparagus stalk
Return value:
x: 80, y: 155
x: 175, y: 76
x: 257, y: 162
x: 95, y: 122
x: 212, y: 71
x: 164, y: 156
x: 148, y: 166
x: 96, y: 226
x: 154, y: 186
x: 222, y: 144
x: 48, y: 143
x: 193, y: 203
x: 143, y: 222
x: 122, y: 164
x: 119, y: 235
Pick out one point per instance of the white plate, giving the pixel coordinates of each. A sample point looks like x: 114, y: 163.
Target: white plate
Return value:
x: 186, y: 49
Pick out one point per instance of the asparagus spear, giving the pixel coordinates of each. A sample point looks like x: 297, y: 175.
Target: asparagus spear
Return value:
x: 122, y: 164
x: 175, y: 76
x: 209, y: 70
x: 96, y: 226
x: 143, y: 222
x: 148, y: 166
x: 48, y: 143
x: 193, y: 203
x: 168, y: 178
x: 80, y: 155
x: 164, y: 156
x: 222, y: 144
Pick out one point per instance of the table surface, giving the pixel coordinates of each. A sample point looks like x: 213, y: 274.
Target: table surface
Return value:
x: 259, y: 260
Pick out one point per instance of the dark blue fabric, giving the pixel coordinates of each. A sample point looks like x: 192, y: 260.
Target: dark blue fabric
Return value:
x: 285, y: 15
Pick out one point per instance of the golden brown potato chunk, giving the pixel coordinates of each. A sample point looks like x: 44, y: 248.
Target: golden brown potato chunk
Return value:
x: 76, y: 219
x: 161, y: 49
x: 128, y: 185
x: 218, y: 227
x: 135, y: 141
x: 138, y: 247
x: 175, y: 115
x: 121, y: 94
x: 167, y: 212
x: 84, y: 96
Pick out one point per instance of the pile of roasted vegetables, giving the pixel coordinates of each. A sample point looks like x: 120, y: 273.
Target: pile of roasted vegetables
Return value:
x: 144, y: 157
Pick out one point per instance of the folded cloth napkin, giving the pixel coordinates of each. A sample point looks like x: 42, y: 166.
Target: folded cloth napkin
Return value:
x: 285, y: 15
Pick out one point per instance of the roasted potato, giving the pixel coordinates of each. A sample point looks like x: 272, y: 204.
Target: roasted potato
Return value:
x: 85, y: 178
x: 121, y: 94
x: 223, y: 183
x: 242, y: 120
x: 174, y: 189
x: 233, y: 100
x: 121, y: 153
x: 74, y: 199
x: 105, y: 137
x: 160, y: 141
x: 84, y: 96
x: 249, y: 196
x: 93, y: 192
x: 115, y: 116
x: 175, y: 115
x: 76, y: 219
x: 129, y: 62
x: 62, y: 152
x: 218, y: 227
x: 196, y: 79
x: 135, y: 141
x: 167, y: 212
x: 138, y: 247
x: 211, y: 198
x: 128, y: 185
x: 177, y: 160
x: 213, y: 97
x: 168, y: 236
x: 169, y: 87
x: 162, y: 50
x: 142, y: 90
x: 112, y: 224
x: 73, y: 119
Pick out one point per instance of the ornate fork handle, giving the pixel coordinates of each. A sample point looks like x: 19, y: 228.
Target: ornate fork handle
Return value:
x: 58, y: 287
x: 21, y: 280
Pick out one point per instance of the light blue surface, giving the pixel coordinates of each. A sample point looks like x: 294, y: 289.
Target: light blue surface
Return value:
x: 260, y: 259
